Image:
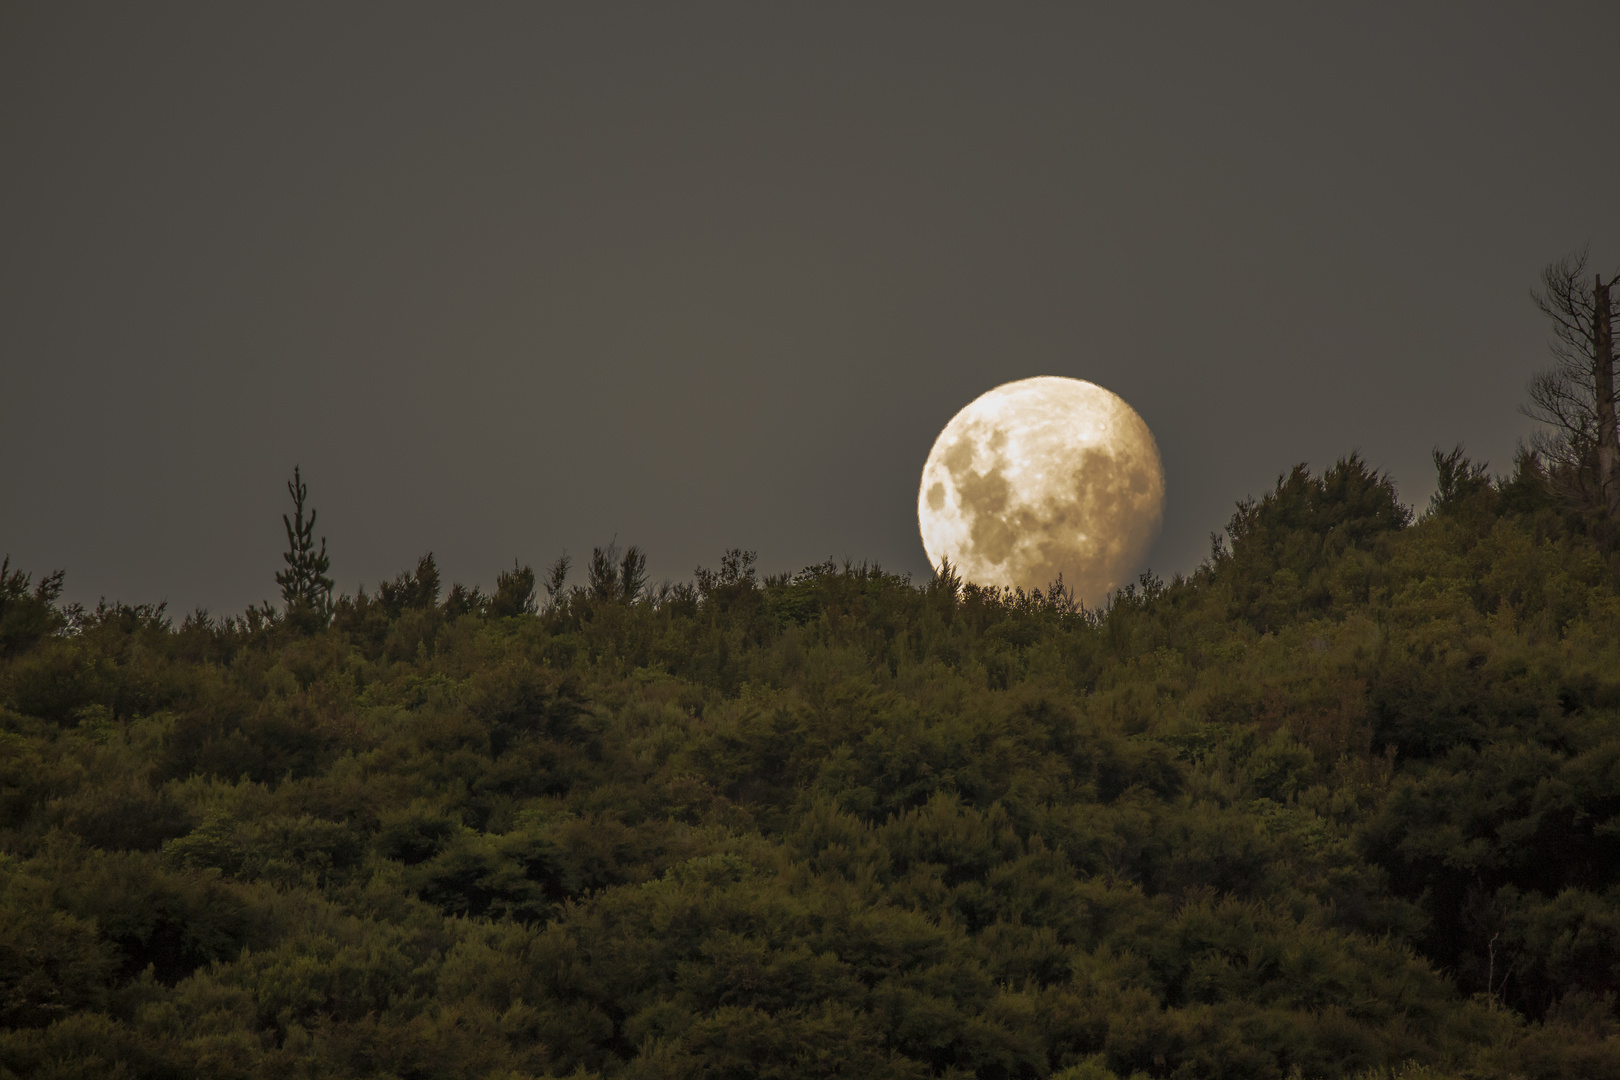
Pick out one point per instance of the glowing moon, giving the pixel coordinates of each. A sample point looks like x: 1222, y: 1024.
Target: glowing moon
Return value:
x: 1042, y: 476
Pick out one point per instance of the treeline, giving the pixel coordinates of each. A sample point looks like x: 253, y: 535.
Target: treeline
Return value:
x: 1343, y: 802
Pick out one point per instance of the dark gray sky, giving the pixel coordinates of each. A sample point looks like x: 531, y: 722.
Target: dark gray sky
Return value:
x: 509, y: 279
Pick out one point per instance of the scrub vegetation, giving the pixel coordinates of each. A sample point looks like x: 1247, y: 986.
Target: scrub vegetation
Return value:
x: 1345, y: 802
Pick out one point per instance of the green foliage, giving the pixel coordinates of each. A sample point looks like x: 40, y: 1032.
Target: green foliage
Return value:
x: 26, y: 616
x: 1345, y: 802
x: 305, y: 588
x: 612, y: 577
x: 514, y: 592
x: 1294, y: 549
x: 418, y: 591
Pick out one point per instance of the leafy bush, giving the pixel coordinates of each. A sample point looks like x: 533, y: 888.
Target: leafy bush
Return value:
x: 1343, y: 803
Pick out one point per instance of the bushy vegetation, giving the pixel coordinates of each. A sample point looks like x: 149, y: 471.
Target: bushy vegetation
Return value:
x: 1344, y: 802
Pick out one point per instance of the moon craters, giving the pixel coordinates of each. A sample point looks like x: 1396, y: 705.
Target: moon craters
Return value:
x: 1040, y: 477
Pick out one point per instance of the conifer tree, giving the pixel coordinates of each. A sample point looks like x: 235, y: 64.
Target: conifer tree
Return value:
x: 633, y: 574
x: 411, y: 591
x: 615, y: 577
x: 514, y: 592
x: 556, y: 579
x: 602, y: 573
x: 26, y: 615
x: 304, y: 584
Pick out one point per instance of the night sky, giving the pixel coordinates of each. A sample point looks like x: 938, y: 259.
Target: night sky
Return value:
x: 507, y: 279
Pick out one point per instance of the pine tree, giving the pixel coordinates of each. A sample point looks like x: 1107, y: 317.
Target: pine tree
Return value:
x: 556, y: 578
x: 304, y: 585
x: 514, y: 592
x: 633, y: 574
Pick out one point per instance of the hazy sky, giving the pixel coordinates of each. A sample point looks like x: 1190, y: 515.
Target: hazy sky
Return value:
x: 509, y: 279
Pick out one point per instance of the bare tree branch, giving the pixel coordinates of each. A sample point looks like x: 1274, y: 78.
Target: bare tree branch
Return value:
x: 1575, y: 397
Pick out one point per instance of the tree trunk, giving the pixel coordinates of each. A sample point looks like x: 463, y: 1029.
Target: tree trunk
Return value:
x: 1608, y: 448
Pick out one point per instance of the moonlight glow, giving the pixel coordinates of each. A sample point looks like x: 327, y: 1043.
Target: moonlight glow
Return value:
x: 1043, y: 476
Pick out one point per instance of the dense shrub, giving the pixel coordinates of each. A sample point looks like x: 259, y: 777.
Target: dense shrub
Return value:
x: 1345, y: 801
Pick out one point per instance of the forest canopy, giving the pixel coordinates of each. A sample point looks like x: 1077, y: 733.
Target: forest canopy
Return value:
x: 1343, y: 802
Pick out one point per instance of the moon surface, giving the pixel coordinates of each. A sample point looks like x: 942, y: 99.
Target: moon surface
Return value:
x: 1040, y: 477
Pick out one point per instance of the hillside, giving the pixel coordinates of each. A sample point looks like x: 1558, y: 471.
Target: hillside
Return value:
x: 1345, y: 800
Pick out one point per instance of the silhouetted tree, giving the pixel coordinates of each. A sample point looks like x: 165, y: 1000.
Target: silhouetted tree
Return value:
x: 514, y: 592
x: 612, y: 577
x: 1457, y: 479
x: 304, y: 584
x: 464, y: 601
x: 1575, y: 397
x: 26, y: 615
x: 602, y: 573
x: 556, y: 578
x: 411, y: 591
x: 632, y: 574
x: 946, y: 583
x: 736, y: 572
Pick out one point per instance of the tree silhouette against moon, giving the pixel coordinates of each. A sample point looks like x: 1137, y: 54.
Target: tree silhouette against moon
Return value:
x: 1042, y: 477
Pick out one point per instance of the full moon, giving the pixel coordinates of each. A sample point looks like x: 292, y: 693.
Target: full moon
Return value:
x: 1040, y: 477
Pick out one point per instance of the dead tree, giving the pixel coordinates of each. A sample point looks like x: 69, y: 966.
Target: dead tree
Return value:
x: 1575, y: 396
